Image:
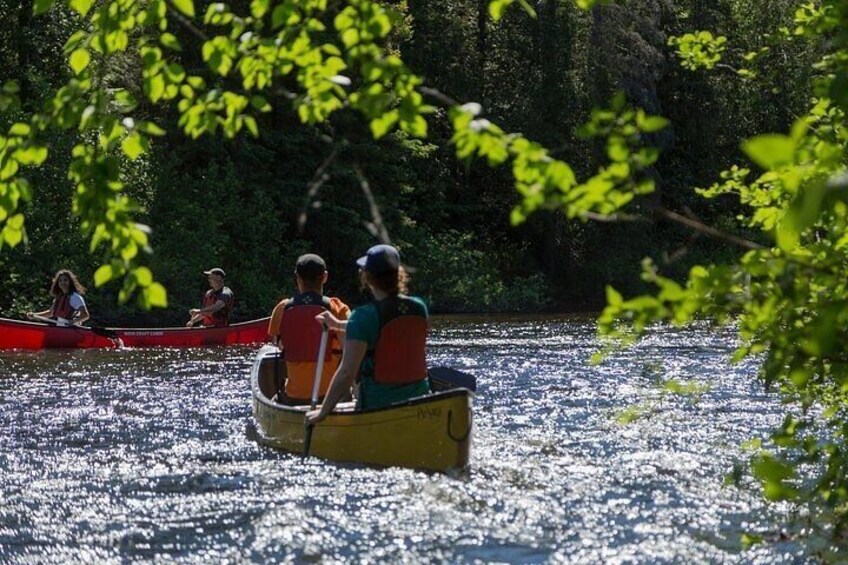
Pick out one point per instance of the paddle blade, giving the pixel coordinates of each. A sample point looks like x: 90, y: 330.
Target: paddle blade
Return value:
x: 307, y: 443
x: 446, y: 378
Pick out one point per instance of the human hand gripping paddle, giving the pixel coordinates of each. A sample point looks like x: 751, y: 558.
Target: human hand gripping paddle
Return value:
x: 316, y: 386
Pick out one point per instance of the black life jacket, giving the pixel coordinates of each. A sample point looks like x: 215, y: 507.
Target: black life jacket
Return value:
x: 220, y: 317
x: 300, y: 333
x: 399, y: 356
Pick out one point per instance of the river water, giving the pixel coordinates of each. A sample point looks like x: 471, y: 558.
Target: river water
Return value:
x: 150, y: 456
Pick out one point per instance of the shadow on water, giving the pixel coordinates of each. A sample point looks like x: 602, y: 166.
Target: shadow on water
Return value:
x: 113, y: 456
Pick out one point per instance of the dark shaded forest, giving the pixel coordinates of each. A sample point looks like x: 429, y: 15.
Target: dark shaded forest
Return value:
x: 251, y: 206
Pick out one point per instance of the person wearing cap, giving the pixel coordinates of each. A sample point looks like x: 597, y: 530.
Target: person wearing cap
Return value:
x: 294, y: 329
x: 217, y: 302
x: 384, y: 339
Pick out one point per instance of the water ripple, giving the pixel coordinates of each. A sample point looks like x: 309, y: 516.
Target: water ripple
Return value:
x: 150, y: 455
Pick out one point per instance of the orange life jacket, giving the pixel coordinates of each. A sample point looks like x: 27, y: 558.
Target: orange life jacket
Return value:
x: 399, y: 356
x: 300, y: 333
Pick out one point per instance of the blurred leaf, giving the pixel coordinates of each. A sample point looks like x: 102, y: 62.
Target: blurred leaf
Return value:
x: 41, y: 6
x: 770, y: 151
x: 103, y: 274
x: 133, y: 145
x: 79, y: 60
x: 185, y: 6
x: 81, y: 6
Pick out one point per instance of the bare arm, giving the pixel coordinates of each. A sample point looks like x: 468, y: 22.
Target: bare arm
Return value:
x: 327, y: 319
x: 343, y: 379
x: 83, y: 315
x: 197, y: 313
x: 45, y: 314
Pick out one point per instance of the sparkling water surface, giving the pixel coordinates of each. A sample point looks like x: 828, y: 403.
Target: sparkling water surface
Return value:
x: 149, y: 455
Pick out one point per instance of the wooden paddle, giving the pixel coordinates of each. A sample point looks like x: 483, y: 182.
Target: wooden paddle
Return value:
x: 103, y: 332
x: 446, y: 378
x: 316, y: 385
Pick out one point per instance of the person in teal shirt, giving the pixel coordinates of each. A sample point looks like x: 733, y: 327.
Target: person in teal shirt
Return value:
x: 384, y: 339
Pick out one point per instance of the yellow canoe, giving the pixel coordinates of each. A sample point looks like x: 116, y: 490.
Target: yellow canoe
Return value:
x: 428, y: 432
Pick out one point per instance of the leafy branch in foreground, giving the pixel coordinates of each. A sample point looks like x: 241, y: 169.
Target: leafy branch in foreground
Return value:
x: 789, y: 300
x: 316, y: 58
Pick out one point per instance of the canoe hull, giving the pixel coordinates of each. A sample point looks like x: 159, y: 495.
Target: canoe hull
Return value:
x: 431, y: 432
x: 16, y: 334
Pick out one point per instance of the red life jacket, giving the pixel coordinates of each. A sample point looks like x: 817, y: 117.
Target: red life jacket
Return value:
x: 300, y: 333
x: 222, y: 316
x: 62, y: 307
x: 400, y: 351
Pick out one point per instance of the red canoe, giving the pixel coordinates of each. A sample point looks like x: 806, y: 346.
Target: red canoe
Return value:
x: 16, y: 334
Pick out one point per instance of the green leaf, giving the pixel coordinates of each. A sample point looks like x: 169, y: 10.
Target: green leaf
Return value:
x: 258, y: 8
x: 81, y: 6
x: 170, y: 41
x: 185, y: 6
x: 154, y: 86
x: 382, y: 125
x: 143, y: 276
x: 770, y: 151
x: 103, y: 274
x: 41, y: 6
x: 133, y: 145
x: 32, y: 155
x: 150, y: 128
x: 79, y: 60
x: 497, y: 8
x: 651, y: 124
x: 613, y: 296
x: 13, y: 231
x: 156, y: 295
x: 19, y: 129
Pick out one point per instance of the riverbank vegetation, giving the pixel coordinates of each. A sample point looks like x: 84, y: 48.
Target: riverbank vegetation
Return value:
x: 251, y: 205
x: 524, y: 156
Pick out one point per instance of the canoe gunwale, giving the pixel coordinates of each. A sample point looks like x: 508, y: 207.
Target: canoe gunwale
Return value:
x: 32, y: 335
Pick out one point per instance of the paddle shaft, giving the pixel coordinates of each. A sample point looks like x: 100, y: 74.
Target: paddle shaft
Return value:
x: 316, y: 385
x: 319, y: 366
x: 279, y: 376
x: 52, y: 321
x: 103, y: 332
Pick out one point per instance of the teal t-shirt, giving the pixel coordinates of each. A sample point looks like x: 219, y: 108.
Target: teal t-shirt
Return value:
x: 364, y: 325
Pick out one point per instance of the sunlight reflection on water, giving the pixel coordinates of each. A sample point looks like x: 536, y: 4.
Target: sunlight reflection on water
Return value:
x: 112, y: 456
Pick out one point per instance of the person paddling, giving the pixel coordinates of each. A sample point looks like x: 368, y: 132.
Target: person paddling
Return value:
x: 217, y: 302
x: 68, y: 306
x: 293, y: 329
x: 385, y: 339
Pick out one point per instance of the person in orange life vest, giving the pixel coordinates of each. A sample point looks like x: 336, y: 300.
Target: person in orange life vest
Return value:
x: 294, y: 329
x: 217, y: 302
x: 68, y: 305
x: 384, y: 339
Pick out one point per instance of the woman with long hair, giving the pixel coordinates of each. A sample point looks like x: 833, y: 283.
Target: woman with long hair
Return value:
x: 384, y: 339
x: 68, y: 304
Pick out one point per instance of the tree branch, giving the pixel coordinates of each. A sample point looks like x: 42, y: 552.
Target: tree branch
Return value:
x: 318, y: 180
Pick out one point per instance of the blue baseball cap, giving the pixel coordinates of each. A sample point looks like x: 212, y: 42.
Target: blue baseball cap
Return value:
x: 380, y: 259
